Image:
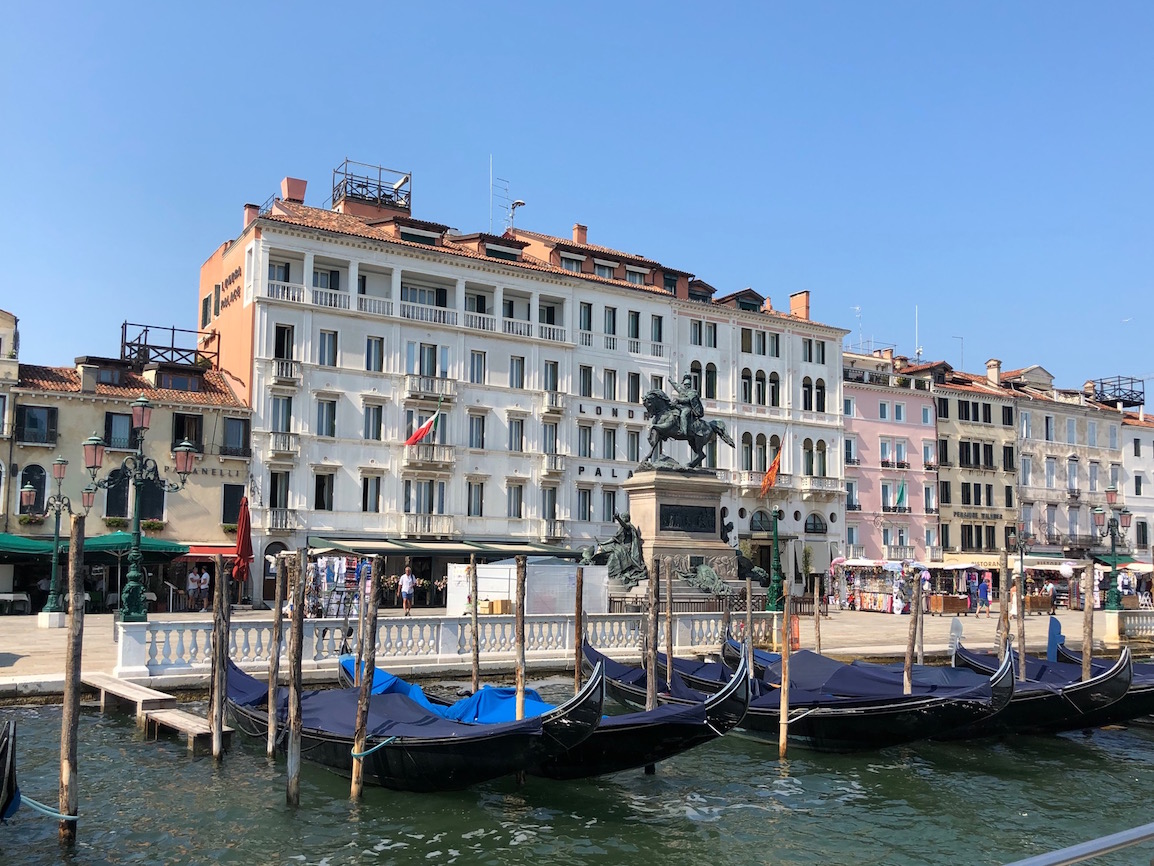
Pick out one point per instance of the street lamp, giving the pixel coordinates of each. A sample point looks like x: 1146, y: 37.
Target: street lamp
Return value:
x: 1020, y: 540
x: 776, y: 598
x: 139, y: 471
x: 1114, y: 523
x: 57, y: 503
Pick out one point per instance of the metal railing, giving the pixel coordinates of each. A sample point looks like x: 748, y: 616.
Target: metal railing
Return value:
x: 1093, y: 849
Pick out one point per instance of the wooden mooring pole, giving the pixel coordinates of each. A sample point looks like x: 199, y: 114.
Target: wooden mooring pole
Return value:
x: 1088, y: 578
x: 915, y: 605
x: 220, y: 628
x: 70, y: 717
x: 362, y: 606
x: 749, y: 618
x: 520, y: 636
x: 275, y: 651
x: 651, y: 637
x: 817, y: 596
x: 295, y: 649
x: 783, y: 705
x: 369, y: 660
x: 668, y: 624
x: 474, y: 627
x: 578, y: 628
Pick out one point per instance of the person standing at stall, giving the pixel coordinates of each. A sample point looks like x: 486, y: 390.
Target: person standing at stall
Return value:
x: 983, y: 599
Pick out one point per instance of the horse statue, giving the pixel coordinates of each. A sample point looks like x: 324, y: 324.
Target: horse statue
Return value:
x: 666, y: 425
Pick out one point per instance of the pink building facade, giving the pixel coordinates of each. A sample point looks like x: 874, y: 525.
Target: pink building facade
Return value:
x: 890, y: 460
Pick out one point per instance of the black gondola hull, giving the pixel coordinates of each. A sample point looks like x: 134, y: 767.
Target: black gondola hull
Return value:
x: 9, y: 790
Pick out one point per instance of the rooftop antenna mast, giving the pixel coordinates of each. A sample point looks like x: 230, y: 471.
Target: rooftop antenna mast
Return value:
x: 499, y: 193
x: 917, y: 345
x: 860, y: 336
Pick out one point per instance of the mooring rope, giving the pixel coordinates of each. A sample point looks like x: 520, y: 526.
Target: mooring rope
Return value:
x: 44, y: 810
x: 373, y: 749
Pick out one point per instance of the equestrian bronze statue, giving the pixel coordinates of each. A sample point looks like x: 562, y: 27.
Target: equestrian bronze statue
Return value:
x: 682, y: 418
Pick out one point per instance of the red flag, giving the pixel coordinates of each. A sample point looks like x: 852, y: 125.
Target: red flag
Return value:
x: 770, y: 476
x: 424, y: 430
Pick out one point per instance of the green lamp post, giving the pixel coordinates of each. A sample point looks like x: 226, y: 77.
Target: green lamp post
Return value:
x: 775, y: 600
x: 139, y: 471
x: 1113, y: 524
x: 57, y: 504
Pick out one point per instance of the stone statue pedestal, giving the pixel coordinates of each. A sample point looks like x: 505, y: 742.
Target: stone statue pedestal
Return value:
x: 678, y: 513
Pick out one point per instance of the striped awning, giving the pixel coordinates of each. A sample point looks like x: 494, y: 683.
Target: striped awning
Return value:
x: 410, y: 547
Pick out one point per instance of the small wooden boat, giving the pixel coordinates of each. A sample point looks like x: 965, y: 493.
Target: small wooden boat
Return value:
x: 408, y: 747
x: 832, y: 723
x: 9, y: 790
x: 1056, y: 698
x: 619, y: 743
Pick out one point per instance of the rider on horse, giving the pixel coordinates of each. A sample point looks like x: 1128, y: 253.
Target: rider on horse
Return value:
x: 688, y: 402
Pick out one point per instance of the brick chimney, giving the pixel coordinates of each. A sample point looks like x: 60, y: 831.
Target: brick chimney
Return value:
x: 580, y: 234
x: 293, y: 189
x: 251, y: 211
x: 87, y: 377
x: 994, y: 371
x: 799, y: 304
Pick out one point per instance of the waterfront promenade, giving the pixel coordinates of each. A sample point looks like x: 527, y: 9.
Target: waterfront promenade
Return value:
x: 32, y: 659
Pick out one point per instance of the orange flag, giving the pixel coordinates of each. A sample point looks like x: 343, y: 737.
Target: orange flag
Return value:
x: 770, y: 476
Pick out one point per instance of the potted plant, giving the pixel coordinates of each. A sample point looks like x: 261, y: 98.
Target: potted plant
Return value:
x: 152, y: 525
x: 31, y: 519
x: 116, y: 522
x: 229, y: 528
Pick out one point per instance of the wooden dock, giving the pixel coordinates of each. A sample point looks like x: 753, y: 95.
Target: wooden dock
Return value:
x: 154, y: 710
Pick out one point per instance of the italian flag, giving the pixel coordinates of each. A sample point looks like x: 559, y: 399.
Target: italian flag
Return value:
x: 424, y: 430
x: 901, y: 497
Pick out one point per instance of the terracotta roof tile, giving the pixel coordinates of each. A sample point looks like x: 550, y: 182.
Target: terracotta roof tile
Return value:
x: 593, y: 248
x: 215, y: 390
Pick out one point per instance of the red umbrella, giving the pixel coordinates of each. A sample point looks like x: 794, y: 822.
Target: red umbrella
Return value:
x: 243, y: 554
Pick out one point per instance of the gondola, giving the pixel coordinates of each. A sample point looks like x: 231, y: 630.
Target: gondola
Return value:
x: 1142, y: 670
x: 619, y: 743
x: 1056, y: 698
x: 836, y: 724
x: 409, y: 748
x: 9, y: 790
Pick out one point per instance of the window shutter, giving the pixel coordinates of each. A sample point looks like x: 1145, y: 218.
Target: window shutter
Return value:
x: 107, y: 428
x: 335, y: 280
x: 287, y: 278
x: 50, y: 437
x: 21, y: 418
x: 442, y: 297
x: 362, y: 284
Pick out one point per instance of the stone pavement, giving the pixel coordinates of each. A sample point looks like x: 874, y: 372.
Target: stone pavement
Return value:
x: 32, y: 659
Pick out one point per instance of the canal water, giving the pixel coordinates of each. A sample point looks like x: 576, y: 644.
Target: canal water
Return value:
x: 729, y: 803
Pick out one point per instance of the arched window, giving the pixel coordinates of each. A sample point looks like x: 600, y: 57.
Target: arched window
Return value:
x: 747, y: 451
x: 819, y: 396
x: 820, y: 463
x: 759, y: 388
x: 774, y: 446
x: 807, y: 394
x: 34, y: 475
x: 711, y: 382
x: 815, y: 524
x: 695, y: 375
x: 807, y: 457
x: 746, y: 386
x: 762, y: 463
x: 760, y: 522
x: 774, y: 389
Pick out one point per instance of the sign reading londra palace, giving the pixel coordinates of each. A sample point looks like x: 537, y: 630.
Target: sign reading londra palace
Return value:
x: 689, y: 518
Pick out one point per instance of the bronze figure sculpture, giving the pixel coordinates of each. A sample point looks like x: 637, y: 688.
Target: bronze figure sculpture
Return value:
x: 681, y: 418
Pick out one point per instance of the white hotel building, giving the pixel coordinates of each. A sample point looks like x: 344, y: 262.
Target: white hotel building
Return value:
x: 347, y: 328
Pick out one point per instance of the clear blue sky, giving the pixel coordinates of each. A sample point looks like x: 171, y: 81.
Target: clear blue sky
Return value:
x: 989, y: 163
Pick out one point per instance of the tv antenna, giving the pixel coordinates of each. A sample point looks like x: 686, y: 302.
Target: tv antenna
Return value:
x: 499, y: 194
x: 917, y: 345
x: 860, y: 337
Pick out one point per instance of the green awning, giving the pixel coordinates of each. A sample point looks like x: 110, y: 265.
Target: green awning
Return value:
x: 114, y: 547
x: 1119, y: 561
x: 411, y: 547
x: 20, y: 548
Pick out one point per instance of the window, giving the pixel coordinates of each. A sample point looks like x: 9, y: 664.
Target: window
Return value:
x: 327, y: 418
x: 927, y: 416
x: 1027, y: 426
x: 851, y: 500
x: 282, y: 413
x: 373, y: 421
x: 205, y: 311
x: 883, y: 411
x: 1007, y: 416
x: 327, y: 349
x: 118, y: 431
x: 584, y: 503
x: 515, y: 499
x: 151, y: 502
x: 36, y: 425
x: 944, y: 452
x: 695, y: 332
x: 848, y: 407
x: 759, y: 390
x: 819, y: 352
x: 807, y: 457
x: 571, y: 264
x: 608, y: 505
x: 280, y: 272
x: 422, y: 496
x: 477, y: 367
x: 1051, y: 471
x: 656, y: 329
x: 635, y: 277
x: 711, y: 382
x: 850, y: 451
x: 819, y: 395
x: 585, y: 317
x: 944, y: 492
x: 774, y: 345
x: 747, y: 452
x: 1007, y: 458
x: 928, y: 497
x: 964, y: 410
x: 747, y: 340
x: 549, y: 437
x: 900, y: 412
x: 1025, y: 470
x: 236, y: 438
x: 585, y: 381
x: 551, y: 377
x: 634, y: 325
x: 516, y: 372
x: 759, y: 342
x: 1114, y: 470
x: 887, y: 489
x: 516, y: 434
x: 549, y: 503
x: 1048, y: 427
x: 278, y: 489
x: 1137, y: 485
x: 987, y: 455
x: 633, y: 446
x: 943, y: 407
x: 610, y: 320
x: 1071, y: 431
x: 609, y: 384
x: 216, y: 300
x: 283, y: 343
x: 669, y: 281
x: 987, y: 414
x: 231, y: 494
x: 190, y: 427
x: 476, y: 431
x: 475, y: 492
x: 323, y: 496
x: 609, y: 444
x: 634, y: 388
x: 327, y: 280
x: 1142, y: 533
x: 1092, y: 434
x: 371, y: 493
x: 1071, y: 474
x: 1009, y: 490
x: 774, y: 390
x: 375, y: 354
x: 584, y: 440
x: 815, y: 525
x: 605, y: 271
x: 929, y: 453
x: 35, y: 476
x: 807, y: 349
x: 1093, y: 477
x: 1137, y: 447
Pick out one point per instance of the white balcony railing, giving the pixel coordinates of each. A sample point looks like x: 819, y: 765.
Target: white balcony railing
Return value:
x: 554, y: 401
x: 428, y: 524
x: 281, y: 520
x: 429, y: 453
x: 284, y: 292
x: 934, y: 552
x: 517, y: 328
x: 284, y: 443
x: 656, y: 350
x: 814, y: 484
x: 480, y: 322
x: 284, y: 370
x: 374, y: 306
x: 552, y: 333
x: 610, y: 342
x: 430, y: 386
x: 554, y: 528
x: 634, y: 346
x: 855, y: 551
x: 554, y: 463
x: 899, y: 551
x: 426, y: 313
x: 330, y: 299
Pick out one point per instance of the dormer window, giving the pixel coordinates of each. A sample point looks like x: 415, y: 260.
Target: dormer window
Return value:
x: 417, y: 236
x: 604, y: 269
x: 670, y: 283
x: 508, y: 253
x: 572, y: 262
x: 636, y: 275
x: 179, y: 381
x: 108, y: 376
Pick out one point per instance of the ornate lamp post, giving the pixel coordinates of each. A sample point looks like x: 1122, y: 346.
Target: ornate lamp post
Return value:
x: 139, y: 471
x: 1115, y: 524
x: 58, y: 504
x: 776, y: 599
x: 1020, y: 540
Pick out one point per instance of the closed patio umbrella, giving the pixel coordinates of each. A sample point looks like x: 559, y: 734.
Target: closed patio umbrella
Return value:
x: 240, y: 568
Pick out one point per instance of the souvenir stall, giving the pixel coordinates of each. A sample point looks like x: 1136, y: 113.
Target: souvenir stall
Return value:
x: 951, y: 590
x: 333, y: 582
x: 871, y: 586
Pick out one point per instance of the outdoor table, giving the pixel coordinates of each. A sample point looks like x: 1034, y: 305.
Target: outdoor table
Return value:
x: 10, y: 600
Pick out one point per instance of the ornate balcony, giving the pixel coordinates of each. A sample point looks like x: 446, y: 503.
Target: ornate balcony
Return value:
x: 899, y: 551
x: 818, y: 486
x: 430, y: 455
x: 427, y: 524
x: 286, y: 372
x: 554, y: 529
x: 554, y: 464
x: 282, y: 520
x: 855, y: 551
x: 934, y: 552
x: 429, y: 388
x: 284, y: 444
x: 554, y: 402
